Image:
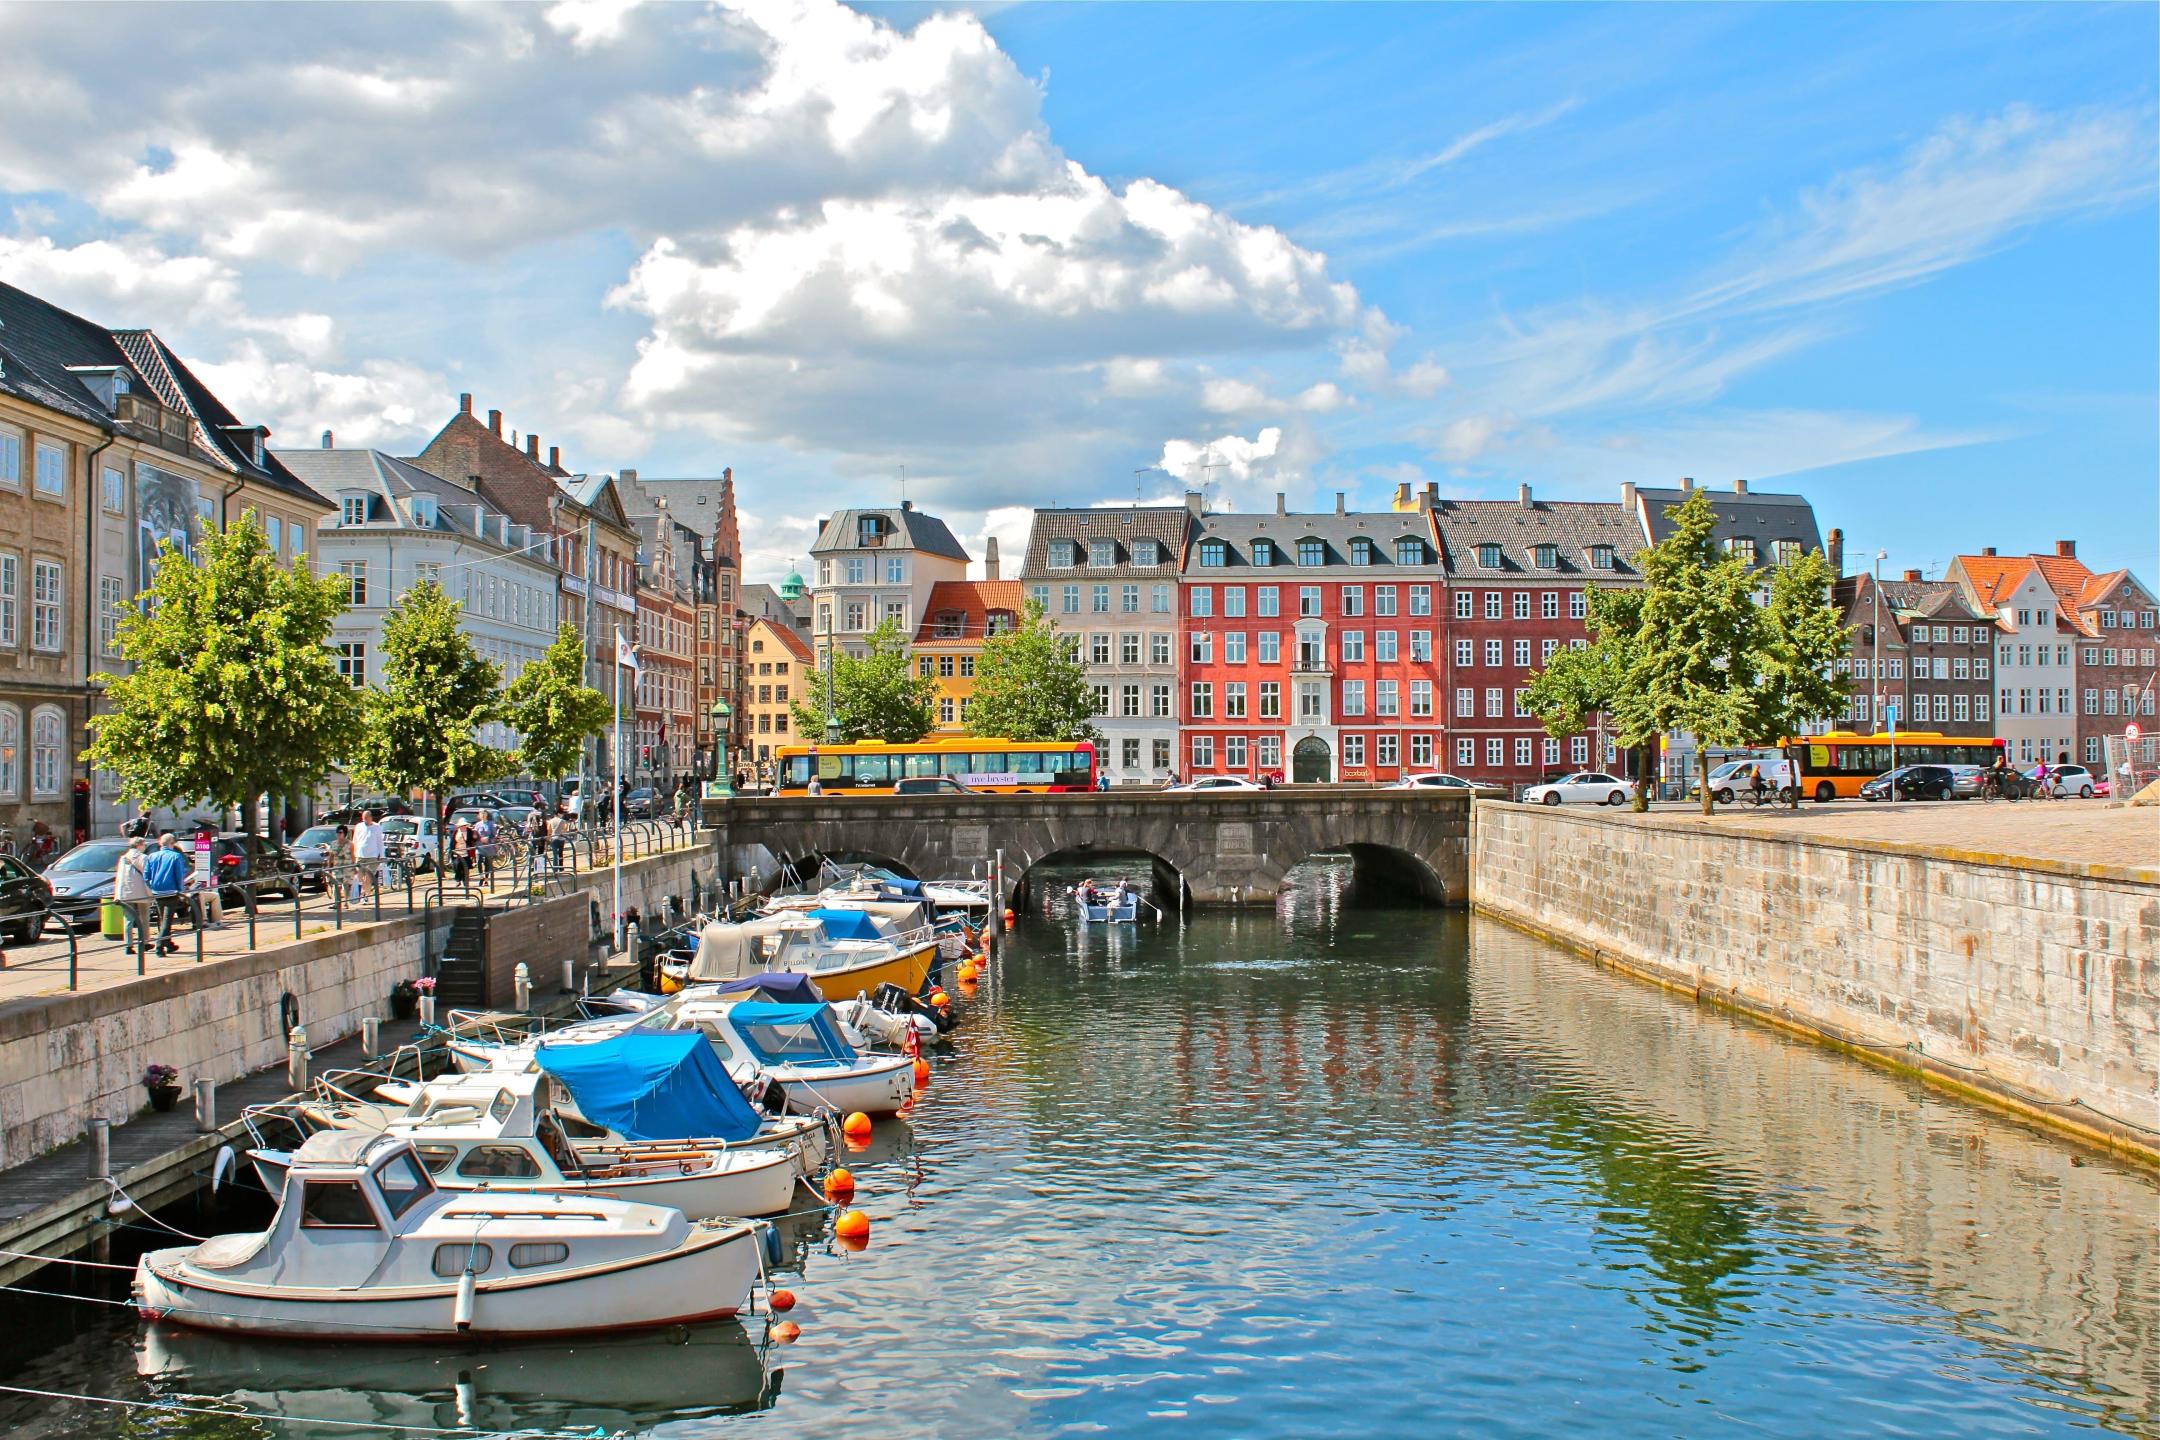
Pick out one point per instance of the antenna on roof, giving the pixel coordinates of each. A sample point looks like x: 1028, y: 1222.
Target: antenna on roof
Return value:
x: 903, y: 487
x: 1209, y: 462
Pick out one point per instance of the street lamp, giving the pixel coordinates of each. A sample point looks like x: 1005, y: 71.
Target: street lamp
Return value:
x: 832, y: 721
x: 1875, y: 664
x: 723, y: 781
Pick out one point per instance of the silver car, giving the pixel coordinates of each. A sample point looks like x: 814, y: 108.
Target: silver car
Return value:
x: 311, y: 847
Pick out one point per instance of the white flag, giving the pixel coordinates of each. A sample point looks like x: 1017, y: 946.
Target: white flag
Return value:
x: 625, y: 652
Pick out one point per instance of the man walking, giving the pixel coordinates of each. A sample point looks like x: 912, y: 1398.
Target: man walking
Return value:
x: 368, y: 853
x: 166, y: 872
x: 131, y: 891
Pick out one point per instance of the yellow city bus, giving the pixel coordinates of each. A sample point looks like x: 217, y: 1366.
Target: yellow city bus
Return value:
x: 1838, y: 762
x: 1004, y: 767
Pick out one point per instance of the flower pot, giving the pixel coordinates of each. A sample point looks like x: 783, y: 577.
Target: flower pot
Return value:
x: 163, y: 1097
x: 404, y: 1004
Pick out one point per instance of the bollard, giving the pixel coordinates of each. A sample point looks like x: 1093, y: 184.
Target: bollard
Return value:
x: 371, y: 1036
x: 101, y: 1149
x: 427, y: 1009
x: 296, y: 1058
x: 521, y: 980
x: 569, y: 974
x: 205, y: 1106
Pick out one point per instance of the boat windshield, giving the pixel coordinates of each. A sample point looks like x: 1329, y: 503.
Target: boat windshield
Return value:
x: 403, y: 1182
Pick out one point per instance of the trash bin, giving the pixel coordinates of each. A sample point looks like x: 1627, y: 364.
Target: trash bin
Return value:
x: 112, y: 920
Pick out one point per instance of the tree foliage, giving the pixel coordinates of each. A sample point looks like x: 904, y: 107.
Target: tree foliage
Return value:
x: 554, y: 710
x: 419, y: 727
x: 235, y: 690
x: 1029, y: 686
x: 1576, y: 685
x: 875, y: 696
x: 1803, y: 638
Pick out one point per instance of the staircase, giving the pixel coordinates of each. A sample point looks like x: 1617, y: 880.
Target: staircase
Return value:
x: 461, y: 978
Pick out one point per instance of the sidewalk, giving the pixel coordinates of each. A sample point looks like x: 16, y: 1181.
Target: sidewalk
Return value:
x: 2078, y: 832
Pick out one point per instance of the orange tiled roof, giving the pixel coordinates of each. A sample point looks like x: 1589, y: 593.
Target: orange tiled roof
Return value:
x: 972, y: 600
x: 792, y: 642
x: 1994, y: 575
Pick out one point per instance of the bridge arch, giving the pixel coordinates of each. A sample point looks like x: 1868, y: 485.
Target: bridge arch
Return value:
x: 1386, y: 873
x: 1021, y: 878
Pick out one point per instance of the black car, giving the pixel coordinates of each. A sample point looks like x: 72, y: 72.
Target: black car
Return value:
x: 1913, y: 782
x: 238, y: 858
x: 638, y: 804
x: 350, y: 814
x: 25, y: 896
x: 931, y: 785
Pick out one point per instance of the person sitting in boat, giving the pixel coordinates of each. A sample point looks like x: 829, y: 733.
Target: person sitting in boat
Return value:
x: 1089, y: 894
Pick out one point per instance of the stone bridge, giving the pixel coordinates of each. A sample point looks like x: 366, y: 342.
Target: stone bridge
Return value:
x: 1213, y: 849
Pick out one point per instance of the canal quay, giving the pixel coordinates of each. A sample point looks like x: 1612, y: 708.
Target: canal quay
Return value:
x: 1274, y: 1170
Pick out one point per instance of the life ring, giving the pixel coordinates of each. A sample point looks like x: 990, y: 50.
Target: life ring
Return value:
x: 289, y: 1012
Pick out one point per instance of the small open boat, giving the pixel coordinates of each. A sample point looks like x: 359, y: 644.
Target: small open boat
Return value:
x: 366, y: 1247
x: 1119, y: 905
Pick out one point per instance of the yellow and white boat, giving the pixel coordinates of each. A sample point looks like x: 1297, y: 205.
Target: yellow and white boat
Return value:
x: 841, y: 968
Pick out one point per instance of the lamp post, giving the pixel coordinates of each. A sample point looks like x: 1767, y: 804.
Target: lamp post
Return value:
x: 723, y: 781
x: 832, y: 721
x: 1875, y: 665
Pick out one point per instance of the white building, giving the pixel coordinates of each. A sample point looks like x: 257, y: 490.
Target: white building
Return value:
x: 396, y: 526
x: 2036, y: 677
x: 878, y: 565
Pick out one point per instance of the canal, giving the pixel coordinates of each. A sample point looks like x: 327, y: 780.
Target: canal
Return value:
x: 1332, y: 1168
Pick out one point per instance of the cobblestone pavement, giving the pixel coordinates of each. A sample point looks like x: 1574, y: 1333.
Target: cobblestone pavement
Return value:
x: 2088, y: 832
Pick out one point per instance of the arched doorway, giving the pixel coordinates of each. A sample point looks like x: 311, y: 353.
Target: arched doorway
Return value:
x: 1310, y: 762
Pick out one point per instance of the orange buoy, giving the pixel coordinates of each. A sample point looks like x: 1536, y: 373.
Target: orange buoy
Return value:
x: 786, y: 1332
x: 858, y: 1244
x: 839, y: 1185
x: 922, y: 1073
x: 940, y: 999
x: 851, y: 1225
x: 780, y: 1301
x: 856, y: 1126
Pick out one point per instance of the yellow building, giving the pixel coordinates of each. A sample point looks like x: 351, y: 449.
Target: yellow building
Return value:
x: 959, y: 614
x: 775, y: 659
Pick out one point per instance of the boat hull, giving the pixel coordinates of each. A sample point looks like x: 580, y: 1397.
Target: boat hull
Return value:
x: 880, y: 1086
x: 707, y: 1277
x: 907, y: 970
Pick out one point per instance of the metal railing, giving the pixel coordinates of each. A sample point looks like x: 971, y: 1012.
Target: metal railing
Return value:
x: 353, y: 893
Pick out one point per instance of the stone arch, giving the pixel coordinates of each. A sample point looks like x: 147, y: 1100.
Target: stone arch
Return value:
x: 1389, y: 872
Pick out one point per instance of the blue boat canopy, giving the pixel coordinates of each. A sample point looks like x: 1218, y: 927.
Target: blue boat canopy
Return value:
x: 791, y: 1034
x: 653, y: 1086
x: 784, y: 986
x: 847, y: 924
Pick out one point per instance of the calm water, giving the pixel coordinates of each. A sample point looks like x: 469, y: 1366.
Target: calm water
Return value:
x: 1333, y: 1168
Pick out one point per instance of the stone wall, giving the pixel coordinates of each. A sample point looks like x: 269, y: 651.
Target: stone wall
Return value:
x: 2029, y: 983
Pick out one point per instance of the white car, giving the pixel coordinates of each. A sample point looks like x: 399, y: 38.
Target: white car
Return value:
x: 2066, y: 780
x: 1432, y: 780
x: 1586, y: 787
x: 1218, y: 782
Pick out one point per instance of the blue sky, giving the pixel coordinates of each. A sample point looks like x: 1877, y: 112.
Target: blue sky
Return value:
x: 1899, y: 258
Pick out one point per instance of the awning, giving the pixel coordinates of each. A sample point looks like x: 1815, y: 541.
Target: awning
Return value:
x: 652, y: 1087
x: 847, y: 924
x: 782, y: 986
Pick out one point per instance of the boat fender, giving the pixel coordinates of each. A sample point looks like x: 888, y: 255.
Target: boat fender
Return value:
x: 462, y: 1316
x: 221, y: 1167
x: 769, y: 1240
x: 289, y: 1012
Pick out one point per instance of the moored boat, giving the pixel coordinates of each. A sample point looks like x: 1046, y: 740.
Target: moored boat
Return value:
x: 842, y: 968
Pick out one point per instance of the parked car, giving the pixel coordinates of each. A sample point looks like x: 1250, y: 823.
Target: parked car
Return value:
x: 310, y: 849
x: 931, y: 785
x: 25, y: 897
x: 414, y: 839
x: 638, y: 804
x: 1584, y: 787
x: 82, y: 880
x: 1735, y: 779
x: 1912, y: 782
x: 1218, y: 782
x: 2064, y: 780
x: 238, y: 858
x: 1432, y: 780
x: 522, y: 795
x: 348, y: 814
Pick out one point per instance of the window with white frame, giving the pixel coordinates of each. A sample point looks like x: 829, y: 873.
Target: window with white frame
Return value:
x: 1522, y: 652
x: 355, y: 573
x: 1203, y: 752
x: 1421, y: 599
x: 112, y: 489
x: 46, y: 591
x: 10, y: 600
x: 1492, y: 702
x: 1159, y: 647
x: 11, y: 448
x: 1159, y: 702
x: 1522, y: 605
x: 10, y: 752
x: 1549, y: 605
x: 1233, y: 752
x: 1353, y: 646
x: 48, y: 727
x: 1496, y: 751
x: 1578, y: 605
x: 1384, y: 749
x: 1384, y: 646
x: 1421, y: 751
x: 1270, y: 647
x: 1578, y: 750
x: 1421, y: 697
x: 1383, y: 598
x: 1267, y: 600
x: 1465, y: 701
x: 1270, y: 752
x: 1271, y: 699
x: 1466, y: 652
x: 1233, y: 700
x: 1549, y: 751
x: 1493, y: 651
x: 1353, y: 751
x: 1465, y: 605
x: 111, y: 605
x: 1384, y: 698
x: 51, y: 469
x: 1203, y: 700
x: 1495, y: 604
x: 1353, y: 697
x: 1522, y: 749
x: 352, y: 663
x: 1466, y: 752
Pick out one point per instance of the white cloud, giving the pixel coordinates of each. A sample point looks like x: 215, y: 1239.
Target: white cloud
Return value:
x: 590, y: 23
x: 377, y: 402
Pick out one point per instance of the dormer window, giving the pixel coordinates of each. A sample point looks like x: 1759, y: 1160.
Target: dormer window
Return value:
x: 1263, y: 552
x: 1064, y: 554
x: 870, y: 530
x: 353, y: 509
x: 949, y: 625
x: 1786, y: 551
x: 1548, y: 557
x: 999, y: 622
x: 1147, y: 552
x: 1409, y: 551
x: 1742, y: 546
x: 1601, y: 557
x: 1488, y: 555
x: 1102, y: 554
x: 1361, y: 550
x: 423, y: 511
x: 1214, y: 552
x: 1312, y: 552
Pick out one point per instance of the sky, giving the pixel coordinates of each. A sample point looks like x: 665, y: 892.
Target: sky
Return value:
x: 1901, y: 259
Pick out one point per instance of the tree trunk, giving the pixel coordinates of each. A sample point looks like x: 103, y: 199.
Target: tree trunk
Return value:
x: 1702, y: 772
x: 1641, y: 756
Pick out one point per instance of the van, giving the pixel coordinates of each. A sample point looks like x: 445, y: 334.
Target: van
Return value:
x: 1736, y: 778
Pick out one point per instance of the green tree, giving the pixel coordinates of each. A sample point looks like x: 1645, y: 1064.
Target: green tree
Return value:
x: 875, y: 696
x: 419, y: 726
x: 1802, y: 638
x: 1693, y: 666
x: 555, y: 711
x: 1030, y: 686
x: 235, y: 690
x: 1576, y: 685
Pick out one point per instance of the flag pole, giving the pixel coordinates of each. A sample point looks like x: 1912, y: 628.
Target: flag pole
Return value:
x: 615, y: 794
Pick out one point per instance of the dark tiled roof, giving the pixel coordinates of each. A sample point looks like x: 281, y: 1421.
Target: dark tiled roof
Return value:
x: 1571, y: 527
x: 918, y: 531
x: 1334, y: 531
x: 1166, y: 525
x: 1906, y: 601
x: 217, y: 429
x: 38, y: 341
x: 1763, y: 518
x: 333, y: 471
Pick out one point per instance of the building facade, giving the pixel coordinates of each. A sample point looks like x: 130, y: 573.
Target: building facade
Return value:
x: 878, y: 565
x: 667, y: 730
x: 2117, y: 678
x: 1108, y: 579
x: 958, y: 617
x: 776, y: 656
x: 1919, y: 649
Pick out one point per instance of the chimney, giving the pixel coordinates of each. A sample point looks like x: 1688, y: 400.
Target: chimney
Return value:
x: 1522, y: 496
x: 554, y: 457
x: 2067, y: 549
x: 1687, y: 484
x: 464, y: 404
x: 495, y: 422
x: 1432, y: 494
x: 532, y: 448
x: 1338, y: 502
x: 1912, y: 575
x: 1427, y: 498
x: 1987, y: 550
x: 1835, y: 553
x: 1402, y: 495
x: 328, y: 441
x: 1196, y: 502
x: 628, y: 477
x: 1627, y: 497
x: 907, y: 505
x: 990, y: 560
x: 1739, y: 487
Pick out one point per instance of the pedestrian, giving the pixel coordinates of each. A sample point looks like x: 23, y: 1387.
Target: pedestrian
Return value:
x: 165, y: 871
x: 461, y: 849
x: 132, y: 892
x: 201, y: 889
x: 558, y: 836
x: 817, y: 786
x: 535, y: 839
x: 1173, y: 778
x: 1102, y: 782
x: 341, y: 859
x: 367, y: 854
x: 484, y: 834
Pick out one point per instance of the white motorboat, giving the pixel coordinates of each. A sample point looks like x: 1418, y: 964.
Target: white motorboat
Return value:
x: 799, y: 1048
x: 495, y: 1132
x: 365, y: 1246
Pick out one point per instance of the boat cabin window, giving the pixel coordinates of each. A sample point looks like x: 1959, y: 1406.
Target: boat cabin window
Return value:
x: 403, y: 1183
x: 558, y: 1149
x: 335, y: 1205
x: 450, y: 1260
x: 437, y: 1158
x: 502, y: 1107
x: 538, y: 1252
x: 778, y: 1042
x: 497, y: 1162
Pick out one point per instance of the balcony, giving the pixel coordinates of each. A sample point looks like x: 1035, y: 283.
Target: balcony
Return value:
x: 1304, y: 663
